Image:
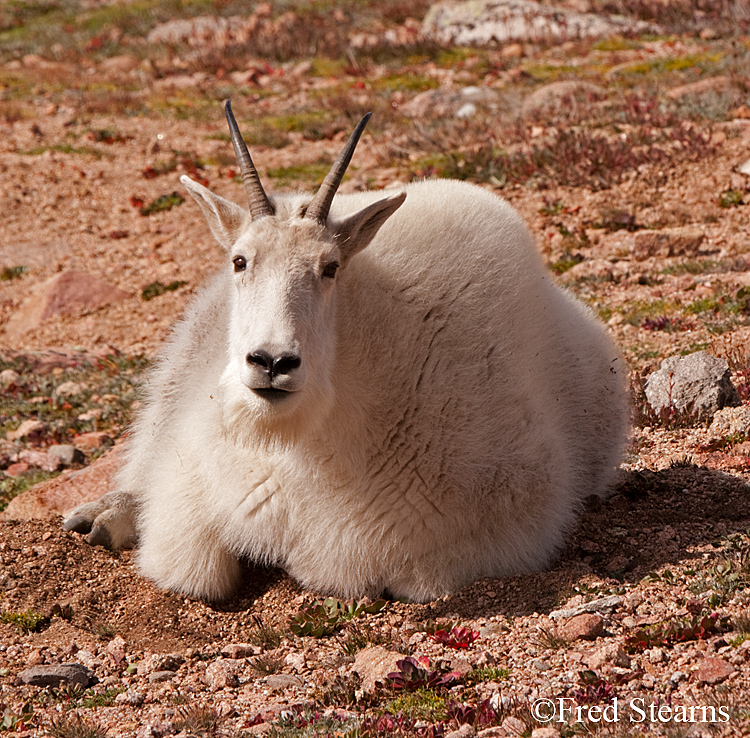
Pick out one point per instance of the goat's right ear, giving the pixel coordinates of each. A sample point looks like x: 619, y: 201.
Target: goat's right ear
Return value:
x: 225, y: 219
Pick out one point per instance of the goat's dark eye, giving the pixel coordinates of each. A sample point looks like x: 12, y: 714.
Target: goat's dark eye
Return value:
x: 240, y: 263
x: 329, y: 271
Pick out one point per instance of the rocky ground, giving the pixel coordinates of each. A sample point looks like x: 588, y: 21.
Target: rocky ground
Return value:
x: 624, y: 154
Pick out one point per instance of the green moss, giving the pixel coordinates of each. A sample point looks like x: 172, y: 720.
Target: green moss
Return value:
x: 617, y: 43
x: 63, y: 149
x: 28, y: 621
x: 404, y: 83
x: 299, y: 173
x: 11, y: 487
x: 420, y: 705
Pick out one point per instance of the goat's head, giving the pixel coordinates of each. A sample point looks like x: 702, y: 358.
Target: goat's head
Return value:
x: 285, y: 258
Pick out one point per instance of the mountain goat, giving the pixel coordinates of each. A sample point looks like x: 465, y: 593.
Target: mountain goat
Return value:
x: 380, y: 392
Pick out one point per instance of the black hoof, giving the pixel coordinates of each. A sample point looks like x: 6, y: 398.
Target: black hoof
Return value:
x: 77, y: 523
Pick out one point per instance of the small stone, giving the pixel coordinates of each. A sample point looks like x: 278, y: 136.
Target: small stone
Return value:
x: 374, y: 664
x: 66, y: 455
x: 586, y: 626
x: 130, y: 697
x: 656, y: 655
x: 70, y: 389
x: 222, y: 673
x: 17, y: 469
x: 296, y: 661
x: 713, y: 670
x: 116, y: 648
x: 511, y: 725
x: 161, y: 676
x: 546, y: 732
x: 465, y: 731
x: 35, y: 658
x: 697, y: 383
x: 8, y: 377
x: 239, y: 650
x: 57, y: 675
x: 39, y: 459
x: 681, y: 241
x: 93, y: 440
x: 604, y: 605
x: 609, y: 653
x: 29, y: 430
x: 281, y: 682
x: 167, y: 661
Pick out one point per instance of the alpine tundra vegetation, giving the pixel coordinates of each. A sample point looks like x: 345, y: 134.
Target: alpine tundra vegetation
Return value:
x: 381, y: 392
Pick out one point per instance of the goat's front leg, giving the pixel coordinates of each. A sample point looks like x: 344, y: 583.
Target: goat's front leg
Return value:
x: 108, y: 521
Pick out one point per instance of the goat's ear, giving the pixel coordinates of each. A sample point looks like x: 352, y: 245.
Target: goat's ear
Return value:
x: 225, y: 219
x: 356, y: 231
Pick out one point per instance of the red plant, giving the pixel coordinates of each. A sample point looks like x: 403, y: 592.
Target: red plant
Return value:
x: 413, y: 675
x: 456, y: 638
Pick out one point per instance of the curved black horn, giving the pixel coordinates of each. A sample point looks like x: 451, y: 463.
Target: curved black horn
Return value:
x: 260, y: 206
x: 321, y: 203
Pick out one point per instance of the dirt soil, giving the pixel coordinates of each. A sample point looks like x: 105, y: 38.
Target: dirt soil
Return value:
x: 647, y: 136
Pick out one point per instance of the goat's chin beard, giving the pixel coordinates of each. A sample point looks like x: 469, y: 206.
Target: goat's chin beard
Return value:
x: 251, y: 420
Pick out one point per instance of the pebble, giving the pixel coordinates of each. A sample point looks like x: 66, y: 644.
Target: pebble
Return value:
x: 57, y: 675
x: 239, y: 650
x: 66, y: 454
x: 586, y: 626
x: 222, y: 673
x: 281, y: 682
x: 713, y: 670
x: 161, y: 676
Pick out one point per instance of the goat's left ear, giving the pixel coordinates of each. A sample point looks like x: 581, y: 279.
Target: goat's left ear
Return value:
x: 356, y: 231
x: 225, y: 219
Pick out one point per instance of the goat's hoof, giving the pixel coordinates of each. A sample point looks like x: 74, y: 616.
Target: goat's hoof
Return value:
x: 99, y: 536
x: 78, y: 524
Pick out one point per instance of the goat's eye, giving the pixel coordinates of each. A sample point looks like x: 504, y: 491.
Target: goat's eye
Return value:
x: 329, y: 271
x: 240, y: 263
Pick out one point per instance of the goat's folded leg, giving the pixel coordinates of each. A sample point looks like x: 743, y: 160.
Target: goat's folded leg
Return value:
x: 108, y: 521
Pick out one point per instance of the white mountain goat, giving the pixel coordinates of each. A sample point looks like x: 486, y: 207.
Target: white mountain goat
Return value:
x: 381, y: 392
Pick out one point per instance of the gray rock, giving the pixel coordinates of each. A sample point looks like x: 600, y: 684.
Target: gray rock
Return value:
x: 603, y: 605
x: 465, y: 731
x: 697, y: 383
x: 161, y: 676
x: 66, y: 454
x: 280, y: 682
x: 57, y: 675
x: 553, y: 97
x: 482, y: 22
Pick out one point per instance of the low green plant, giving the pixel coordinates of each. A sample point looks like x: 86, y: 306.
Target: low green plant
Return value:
x: 264, y: 635
x: 730, y: 198
x: 324, y: 617
x: 155, y: 289
x: 266, y: 664
x: 669, y: 632
x: 551, y: 639
x: 162, y: 204
x: 421, y: 704
x: 75, y: 726
x: 17, y: 722
x: 27, y: 621
x: 13, y: 272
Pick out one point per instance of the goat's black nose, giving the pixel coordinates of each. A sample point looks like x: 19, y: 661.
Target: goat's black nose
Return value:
x: 274, y: 365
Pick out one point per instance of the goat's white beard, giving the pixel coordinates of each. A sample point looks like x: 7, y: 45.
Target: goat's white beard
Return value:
x: 251, y: 423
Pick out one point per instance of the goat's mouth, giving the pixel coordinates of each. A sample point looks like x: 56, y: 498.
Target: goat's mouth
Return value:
x: 272, y: 394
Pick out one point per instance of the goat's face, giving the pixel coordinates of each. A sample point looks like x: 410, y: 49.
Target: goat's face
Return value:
x: 284, y: 263
x: 282, y: 330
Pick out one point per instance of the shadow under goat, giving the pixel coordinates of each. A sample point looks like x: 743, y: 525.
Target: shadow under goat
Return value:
x: 378, y: 392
